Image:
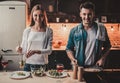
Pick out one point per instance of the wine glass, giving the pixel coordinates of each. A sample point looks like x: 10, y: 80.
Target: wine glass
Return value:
x: 4, y: 64
x: 59, y: 68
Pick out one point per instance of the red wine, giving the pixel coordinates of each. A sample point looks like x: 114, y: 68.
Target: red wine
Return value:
x: 4, y: 63
x: 60, y: 67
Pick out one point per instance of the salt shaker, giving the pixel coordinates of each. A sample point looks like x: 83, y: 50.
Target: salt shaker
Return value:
x: 75, y: 71
x: 80, y: 73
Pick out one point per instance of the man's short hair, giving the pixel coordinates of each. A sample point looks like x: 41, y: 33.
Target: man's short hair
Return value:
x: 87, y: 5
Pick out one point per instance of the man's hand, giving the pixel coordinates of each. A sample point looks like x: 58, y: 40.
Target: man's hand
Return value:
x: 74, y: 62
x: 100, y: 62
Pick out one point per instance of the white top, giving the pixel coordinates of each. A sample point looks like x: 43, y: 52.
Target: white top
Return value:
x: 37, y: 41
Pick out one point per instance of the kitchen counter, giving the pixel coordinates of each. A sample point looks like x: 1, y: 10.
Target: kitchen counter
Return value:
x: 115, y: 48
x: 64, y: 47
x: 60, y: 48
x: 4, y: 78
x: 108, y: 73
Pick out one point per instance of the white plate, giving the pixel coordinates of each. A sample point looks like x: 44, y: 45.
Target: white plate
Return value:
x: 64, y: 74
x: 15, y: 75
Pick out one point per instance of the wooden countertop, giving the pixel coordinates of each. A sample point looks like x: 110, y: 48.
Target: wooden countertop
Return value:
x: 115, y: 49
x: 104, y: 70
x: 5, y: 78
x: 64, y: 47
x: 61, y: 48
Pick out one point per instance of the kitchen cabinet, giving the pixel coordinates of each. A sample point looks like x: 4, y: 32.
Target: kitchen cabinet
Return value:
x: 113, y: 59
x: 69, y: 10
x: 13, y: 61
x: 62, y: 9
x: 59, y: 56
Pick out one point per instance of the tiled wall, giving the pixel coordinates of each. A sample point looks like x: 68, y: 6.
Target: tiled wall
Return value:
x: 114, y: 34
x: 61, y: 32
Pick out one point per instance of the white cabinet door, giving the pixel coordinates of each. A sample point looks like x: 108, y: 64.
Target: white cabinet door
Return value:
x: 12, y: 24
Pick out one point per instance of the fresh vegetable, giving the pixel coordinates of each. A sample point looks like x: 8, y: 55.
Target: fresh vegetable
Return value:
x: 55, y: 73
x: 21, y: 74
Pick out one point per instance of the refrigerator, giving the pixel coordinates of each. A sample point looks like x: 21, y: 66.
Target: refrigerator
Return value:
x: 12, y: 25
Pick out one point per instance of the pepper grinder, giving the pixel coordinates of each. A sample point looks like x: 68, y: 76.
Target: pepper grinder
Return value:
x: 80, y: 73
x: 75, y: 71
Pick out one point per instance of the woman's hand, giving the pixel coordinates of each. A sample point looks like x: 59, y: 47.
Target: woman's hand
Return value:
x: 29, y: 53
x: 19, y: 49
x: 32, y: 52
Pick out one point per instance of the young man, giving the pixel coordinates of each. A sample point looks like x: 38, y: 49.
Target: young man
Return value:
x: 88, y: 43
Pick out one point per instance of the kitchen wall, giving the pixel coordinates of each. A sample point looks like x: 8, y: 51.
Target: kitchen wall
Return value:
x: 61, y: 32
x: 114, y: 33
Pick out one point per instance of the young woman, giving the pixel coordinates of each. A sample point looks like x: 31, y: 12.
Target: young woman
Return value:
x: 37, y: 40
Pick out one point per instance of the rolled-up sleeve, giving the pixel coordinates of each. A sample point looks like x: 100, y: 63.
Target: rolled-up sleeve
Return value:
x: 70, y: 43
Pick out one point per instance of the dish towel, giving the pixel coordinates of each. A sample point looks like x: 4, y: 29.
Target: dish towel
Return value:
x: 100, y: 32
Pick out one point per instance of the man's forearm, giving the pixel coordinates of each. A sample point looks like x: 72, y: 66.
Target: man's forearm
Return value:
x: 70, y: 55
x: 105, y: 54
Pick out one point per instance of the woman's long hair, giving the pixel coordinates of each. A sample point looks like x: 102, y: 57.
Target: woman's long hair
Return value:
x: 38, y: 7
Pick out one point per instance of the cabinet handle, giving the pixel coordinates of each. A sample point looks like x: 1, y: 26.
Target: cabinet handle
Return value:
x: 13, y: 8
x: 6, y: 50
x: 10, y: 60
